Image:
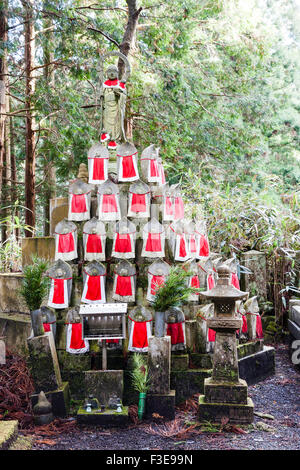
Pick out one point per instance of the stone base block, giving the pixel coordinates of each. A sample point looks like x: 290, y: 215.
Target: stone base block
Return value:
x: 106, y: 418
x: 249, y: 348
x: 294, y: 329
x: 257, y: 366
x: 60, y: 400
x: 188, y: 382
x: 102, y: 384
x: 225, y: 393
x: 200, y: 361
x: 162, y: 404
x: 179, y: 361
x: 215, y: 412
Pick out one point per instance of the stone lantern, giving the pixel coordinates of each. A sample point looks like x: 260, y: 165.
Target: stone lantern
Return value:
x: 225, y: 394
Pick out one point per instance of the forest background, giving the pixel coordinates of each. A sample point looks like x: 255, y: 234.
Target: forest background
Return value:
x: 215, y: 84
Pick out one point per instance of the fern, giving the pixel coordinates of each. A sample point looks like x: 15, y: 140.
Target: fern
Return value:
x: 174, y: 292
x: 35, y: 285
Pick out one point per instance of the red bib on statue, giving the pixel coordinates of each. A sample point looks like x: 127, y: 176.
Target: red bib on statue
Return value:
x: 94, y: 244
x: 153, y: 242
x: 123, y: 243
x: 123, y: 286
x: 66, y: 242
x: 138, y: 203
x: 109, y: 203
x: 175, y: 330
x: 78, y: 204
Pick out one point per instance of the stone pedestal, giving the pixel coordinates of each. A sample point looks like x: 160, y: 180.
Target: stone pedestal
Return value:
x: 102, y: 384
x: 44, y: 363
x: 160, y: 399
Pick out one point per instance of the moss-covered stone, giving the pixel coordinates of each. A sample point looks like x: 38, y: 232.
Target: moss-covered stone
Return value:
x: 105, y: 418
x: 188, y: 382
x: 200, y: 361
x: 179, y: 361
x: 74, y: 362
x: 8, y: 433
x: 216, y: 412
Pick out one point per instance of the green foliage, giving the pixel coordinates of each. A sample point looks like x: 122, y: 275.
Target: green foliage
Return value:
x: 35, y: 284
x: 140, y: 374
x: 174, y: 292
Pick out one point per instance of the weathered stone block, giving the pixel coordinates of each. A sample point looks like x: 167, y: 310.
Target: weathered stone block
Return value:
x: 10, y: 299
x: 200, y: 361
x: 44, y: 363
x: 294, y: 329
x: 249, y: 348
x: 16, y: 330
x: 179, y: 361
x: 215, y: 412
x: 59, y: 399
x: 159, y: 362
x: 44, y: 247
x: 191, y: 334
x: 8, y: 433
x: 257, y: 366
x: 295, y: 314
x: 59, y: 208
x: 256, y: 283
x: 102, y: 384
x: 107, y: 418
x: 225, y: 393
x: 188, y: 382
x: 74, y: 362
x: 76, y: 383
x: 163, y: 404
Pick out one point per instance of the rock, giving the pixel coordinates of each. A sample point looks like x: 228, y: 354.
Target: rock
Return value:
x: 42, y: 410
x: 263, y: 415
x: 261, y: 426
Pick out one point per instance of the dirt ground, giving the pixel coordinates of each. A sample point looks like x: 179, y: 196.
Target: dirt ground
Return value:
x: 278, y: 396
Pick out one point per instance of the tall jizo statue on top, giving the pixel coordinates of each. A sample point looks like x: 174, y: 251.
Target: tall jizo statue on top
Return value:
x: 113, y: 101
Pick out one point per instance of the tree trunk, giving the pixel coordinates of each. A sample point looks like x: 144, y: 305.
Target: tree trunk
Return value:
x: 14, y: 189
x: 49, y: 170
x: 3, y: 84
x: 125, y: 47
x: 30, y: 138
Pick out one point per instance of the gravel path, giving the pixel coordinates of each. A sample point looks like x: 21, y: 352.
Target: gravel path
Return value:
x: 278, y: 396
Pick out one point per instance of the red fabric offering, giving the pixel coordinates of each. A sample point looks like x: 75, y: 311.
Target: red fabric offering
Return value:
x: 175, y: 330
x: 138, y: 203
x: 139, y: 336
x: 154, y: 169
x: 114, y: 82
x: 123, y: 243
x: 58, y: 291
x: 193, y: 245
x: 179, y: 208
x: 244, y: 326
x: 182, y: 248
x: 153, y: 242
x: 128, y: 167
x: 109, y: 203
x: 76, y: 337
x: 93, y: 288
x: 169, y: 206
x: 46, y: 327
x: 210, y: 281
x: 235, y: 281
x: 123, y: 286
x: 115, y: 341
x: 204, y: 248
x: 98, y: 169
x: 94, y: 244
x: 156, y: 281
x: 65, y: 242
x: 195, y: 282
x: 259, y: 329
x: 211, y: 335
x: 78, y: 204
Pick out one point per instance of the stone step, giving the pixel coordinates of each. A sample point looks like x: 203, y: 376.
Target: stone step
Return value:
x: 21, y: 443
x: 8, y: 433
x: 295, y: 314
x: 294, y: 329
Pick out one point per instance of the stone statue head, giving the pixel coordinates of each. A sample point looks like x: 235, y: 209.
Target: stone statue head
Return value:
x: 112, y: 72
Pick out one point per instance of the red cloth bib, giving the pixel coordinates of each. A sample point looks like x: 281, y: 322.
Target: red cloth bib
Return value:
x: 46, y: 327
x: 58, y: 291
x: 211, y: 335
x: 210, y: 281
x: 182, y: 248
x: 98, y: 169
x: 245, y: 326
x: 169, y: 206
x: 139, y: 336
x: 195, y: 282
x: 109, y: 203
x: 65, y: 242
x: 138, y: 203
x: 204, y: 249
x: 154, y: 169
x: 93, y: 288
x: 76, y: 337
x: 78, y: 204
x: 156, y: 281
x: 123, y: 286
x: 175, y: 330
x: 153, y: 242
x: 259, y: 329
x: 235, y: 281
x: 179, y: 208
x: 193, y: 245
x: 94, y: 244
x: 123, y: 243
x: 128, y: 167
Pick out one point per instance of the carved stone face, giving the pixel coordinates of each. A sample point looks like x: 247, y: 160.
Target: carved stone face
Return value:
x: 59, y: 273
x: 124, y: 272
x: 112, y: 72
